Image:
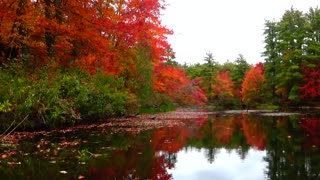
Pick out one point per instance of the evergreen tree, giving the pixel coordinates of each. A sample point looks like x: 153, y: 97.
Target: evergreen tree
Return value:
x: 209, y: 74
x: 238, y: 74
x: 285, y: 49
x: 313, y: 34
x: 272, y: 55
x: 291, y: 42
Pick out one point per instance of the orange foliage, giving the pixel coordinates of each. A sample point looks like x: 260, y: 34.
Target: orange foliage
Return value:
x: 18, y: 21
x: 174, y: 82
x: 72, y: 31
x: 253, y: 83
x: 223, y: 84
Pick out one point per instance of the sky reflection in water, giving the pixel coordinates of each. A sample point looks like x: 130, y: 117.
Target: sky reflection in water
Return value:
x: 217, y: 147
x: 192, y: 164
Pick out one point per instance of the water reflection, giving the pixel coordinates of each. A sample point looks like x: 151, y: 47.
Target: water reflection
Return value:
x: 192, y: 164
x: 216, y: 147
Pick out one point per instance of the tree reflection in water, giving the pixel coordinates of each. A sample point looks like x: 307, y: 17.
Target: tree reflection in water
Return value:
x: 293, y: 151
x: 290, y: 144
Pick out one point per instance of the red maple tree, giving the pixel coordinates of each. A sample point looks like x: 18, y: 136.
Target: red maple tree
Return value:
x: 72, y: 32
x: 311, y: 82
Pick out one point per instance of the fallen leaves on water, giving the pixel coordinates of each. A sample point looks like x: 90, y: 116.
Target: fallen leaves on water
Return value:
x: 72, y: 143
x: 116, y: 125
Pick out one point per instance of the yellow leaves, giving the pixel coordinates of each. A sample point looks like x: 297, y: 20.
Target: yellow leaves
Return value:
x: 5, y: 106
x: 281, y: 91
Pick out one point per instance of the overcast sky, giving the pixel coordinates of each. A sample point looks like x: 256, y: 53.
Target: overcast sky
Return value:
x: 226, y: 28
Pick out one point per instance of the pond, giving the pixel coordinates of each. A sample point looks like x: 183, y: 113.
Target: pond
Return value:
x: 206, y: 146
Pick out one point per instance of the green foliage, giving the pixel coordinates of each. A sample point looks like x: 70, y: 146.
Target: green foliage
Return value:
x: 208, y: 73
x: 294, y: 94
x: 144, y: 76
x: 239, y: 71
x: 290, y: 45
x: 56, y: 98
x: 195, y: 70
x: 85, y: 155
x: 106, y: 98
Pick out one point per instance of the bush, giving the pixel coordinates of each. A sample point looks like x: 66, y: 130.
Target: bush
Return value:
x: 57, y: 98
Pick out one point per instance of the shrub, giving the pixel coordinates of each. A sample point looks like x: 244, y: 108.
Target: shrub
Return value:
x: 57, y: 98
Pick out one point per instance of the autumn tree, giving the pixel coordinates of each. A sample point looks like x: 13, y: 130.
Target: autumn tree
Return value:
x: 222, y: 89
x: 206, y: 72
x: 17, y: 21
x: 66, y: 31
x: 252, y: 88
x: 175, y: 83
x: 241, y: 66
x: 119, y: 40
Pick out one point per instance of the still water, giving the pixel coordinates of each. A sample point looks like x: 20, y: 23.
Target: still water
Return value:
x: 193, y: 164
x: 233, y: 147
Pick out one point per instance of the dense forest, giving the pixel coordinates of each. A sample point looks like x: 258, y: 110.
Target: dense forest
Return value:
x: 64, y: 62
x: 288, y: 77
